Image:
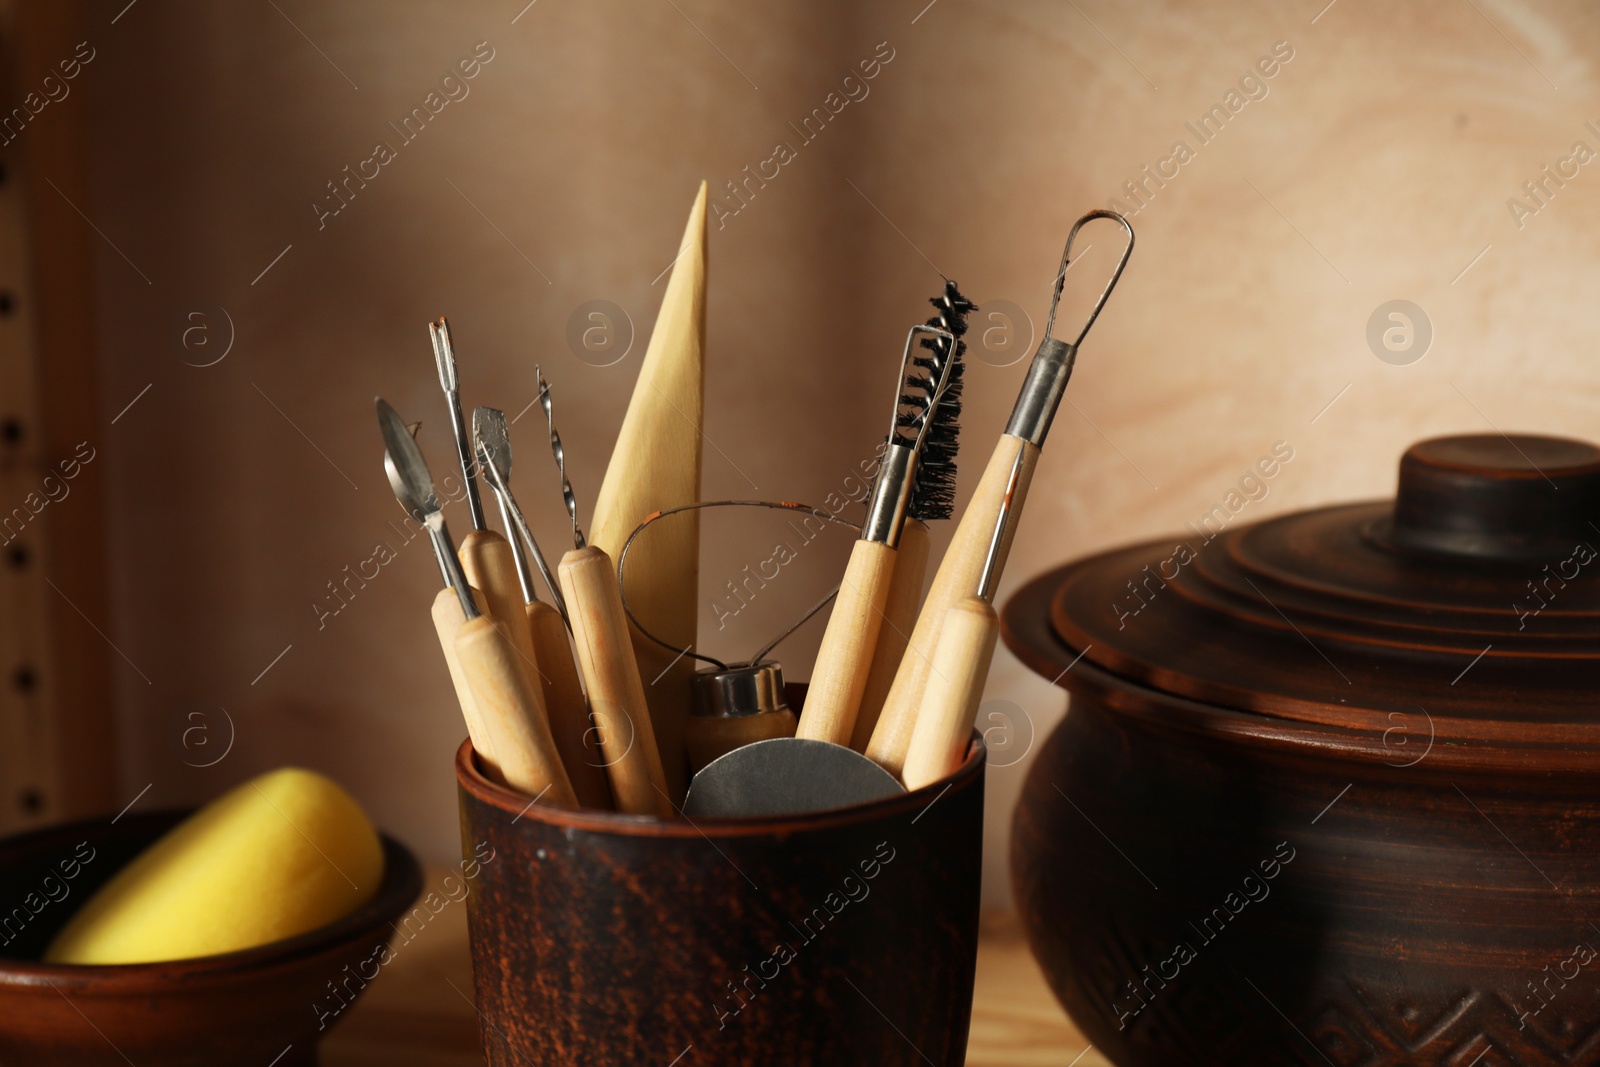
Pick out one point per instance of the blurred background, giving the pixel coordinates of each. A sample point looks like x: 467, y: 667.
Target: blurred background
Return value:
x: 198, y: 297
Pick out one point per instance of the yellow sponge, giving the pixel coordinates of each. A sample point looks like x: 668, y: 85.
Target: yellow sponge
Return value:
x: 279, y: 855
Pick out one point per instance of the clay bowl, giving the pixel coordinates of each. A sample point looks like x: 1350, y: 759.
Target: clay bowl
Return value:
x: 842, y: 937
x: 260, y: 1006
x: 1328, y: 791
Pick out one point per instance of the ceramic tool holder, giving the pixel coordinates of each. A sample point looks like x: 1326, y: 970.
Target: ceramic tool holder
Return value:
x: 606, y: 938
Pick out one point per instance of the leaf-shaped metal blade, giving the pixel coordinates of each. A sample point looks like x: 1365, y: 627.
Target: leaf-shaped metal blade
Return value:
x: 403, y: 462
x: 398, y: 484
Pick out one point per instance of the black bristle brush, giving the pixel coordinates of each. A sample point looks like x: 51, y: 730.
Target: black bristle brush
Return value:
x: 933, y: 494
x: 923, y: 414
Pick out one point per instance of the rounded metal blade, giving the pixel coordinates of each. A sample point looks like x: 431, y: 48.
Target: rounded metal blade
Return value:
x: 786, y: 776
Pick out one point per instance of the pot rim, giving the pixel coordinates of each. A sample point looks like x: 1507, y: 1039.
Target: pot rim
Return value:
x: 1567, y: 749
x: 470, y: 779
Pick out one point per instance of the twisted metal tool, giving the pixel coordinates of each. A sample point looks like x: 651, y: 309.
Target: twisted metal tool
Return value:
x: 560, y: 454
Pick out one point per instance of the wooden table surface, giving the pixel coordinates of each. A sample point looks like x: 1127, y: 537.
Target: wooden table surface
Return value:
x: 418, y: 1012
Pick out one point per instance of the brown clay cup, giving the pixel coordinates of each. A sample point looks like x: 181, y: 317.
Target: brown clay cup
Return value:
x: 843, y: 937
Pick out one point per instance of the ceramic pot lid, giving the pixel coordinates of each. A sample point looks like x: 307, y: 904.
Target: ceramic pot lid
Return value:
x: 1474, y: 596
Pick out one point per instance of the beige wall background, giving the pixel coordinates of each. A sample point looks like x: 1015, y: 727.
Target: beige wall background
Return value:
x: 1377, y: 166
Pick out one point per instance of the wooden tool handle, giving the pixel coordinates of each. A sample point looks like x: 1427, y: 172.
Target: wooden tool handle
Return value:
x: 567, y: 709
x: 899, y: 616
x: 616, y: 692
x: 710, y: 736
x: 955, y: 686
x: 490, y: 565
x: 840, y: 675
x: 957, y: 579
x: 447, y: 620
x: 511, y: 710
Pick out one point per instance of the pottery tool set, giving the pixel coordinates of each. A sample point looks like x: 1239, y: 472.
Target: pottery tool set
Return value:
x: 591, y: 698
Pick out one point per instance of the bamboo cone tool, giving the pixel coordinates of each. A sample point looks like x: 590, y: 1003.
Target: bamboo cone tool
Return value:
x: 963, y: 654
x: 508, y: 709
x: 563, y: 695
x: 932, y: 498
x: 616, y: 690
x: 840, y: 674
x: 486, y: 556
x: 965, y: 560
x: 655, y: 466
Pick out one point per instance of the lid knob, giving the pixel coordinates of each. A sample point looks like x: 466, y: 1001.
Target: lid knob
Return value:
x: 1497, y: 497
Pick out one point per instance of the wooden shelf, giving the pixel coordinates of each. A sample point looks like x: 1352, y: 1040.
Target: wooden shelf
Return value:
x: 56, y: 725
x: 418, y: 1013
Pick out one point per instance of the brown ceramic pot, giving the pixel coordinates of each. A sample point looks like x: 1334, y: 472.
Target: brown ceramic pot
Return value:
x: 845, y: 937
x: 259, y: 1006
x: 1329, y: 788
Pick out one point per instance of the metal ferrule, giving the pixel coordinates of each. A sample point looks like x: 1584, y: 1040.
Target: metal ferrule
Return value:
x: 1042, y: 391
x: 886, y: 511
x: 744, y: 689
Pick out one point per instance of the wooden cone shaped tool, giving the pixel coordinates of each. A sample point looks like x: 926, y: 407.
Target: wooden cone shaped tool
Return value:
x: 655, y: 466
